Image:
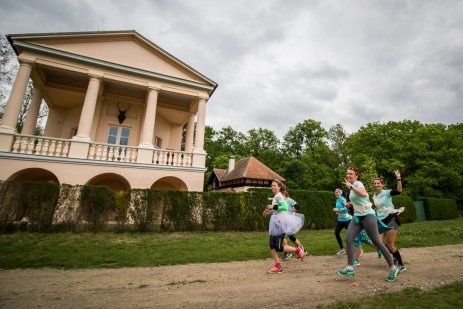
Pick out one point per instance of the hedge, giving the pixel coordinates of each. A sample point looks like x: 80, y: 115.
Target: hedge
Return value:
x: 34, y: 202
x: 409, y: 214
x: 440, y: 209
x: 49, y: 206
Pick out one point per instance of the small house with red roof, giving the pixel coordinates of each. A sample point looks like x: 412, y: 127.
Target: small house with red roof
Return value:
x: 242, y: 175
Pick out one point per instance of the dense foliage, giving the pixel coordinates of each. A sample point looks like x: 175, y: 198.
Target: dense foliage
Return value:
x: 429, y: 156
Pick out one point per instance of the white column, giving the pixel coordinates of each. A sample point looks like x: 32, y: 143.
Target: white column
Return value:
x: 200, y: 125
x: 33, y: 113
x: 146, y: 139
x: 13, y: 106
x: 190, y: 128
x: 88, y: 109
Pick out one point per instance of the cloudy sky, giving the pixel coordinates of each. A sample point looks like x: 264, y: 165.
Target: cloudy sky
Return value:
x: 280, y: 62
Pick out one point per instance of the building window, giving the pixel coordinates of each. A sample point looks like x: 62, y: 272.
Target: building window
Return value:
x: 118, y: 135
x: 158, y: 142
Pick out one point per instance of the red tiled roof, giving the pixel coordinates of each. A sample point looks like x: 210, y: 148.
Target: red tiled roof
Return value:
x: 249, y: 168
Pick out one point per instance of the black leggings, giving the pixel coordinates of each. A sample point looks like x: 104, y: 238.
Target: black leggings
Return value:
x: 370, y: 224
x: 338, y: 229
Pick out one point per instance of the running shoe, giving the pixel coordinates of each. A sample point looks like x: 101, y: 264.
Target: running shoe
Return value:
x: 305, y: 252
x: 275, y: 270
x: 346, y: 272
x: 402, y: 268
x: 380, y: 254
x: 356, y: 262
x: 286, y: 256
x: 301, y: 254
x: 341, y: 252
x: 393, y: 273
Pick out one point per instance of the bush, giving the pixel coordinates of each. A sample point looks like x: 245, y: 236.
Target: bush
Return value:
x: 40, y: 203
x: 409, y: 214
x: 225, y: 211
x: 440, y: 209
x: 122, y: 208
x: 66, y: 216
x: 146, y: 208
x: 11, y: 206
x: 317, y: 208
x: 30, y: 202
x: 181, y: 211
x: 96, y: 205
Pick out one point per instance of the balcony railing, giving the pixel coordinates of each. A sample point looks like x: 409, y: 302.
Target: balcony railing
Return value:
x: 56, y: 147
x: 41, y: 146
x: 114, y: 153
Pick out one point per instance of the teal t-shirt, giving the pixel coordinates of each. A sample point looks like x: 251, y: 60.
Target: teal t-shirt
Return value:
x: 358, y: 200
x: 343, y: 212
x: 291, y: 203
x: 384, y: 199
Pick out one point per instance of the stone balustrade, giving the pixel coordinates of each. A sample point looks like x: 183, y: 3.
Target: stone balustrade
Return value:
x: 56, y: 147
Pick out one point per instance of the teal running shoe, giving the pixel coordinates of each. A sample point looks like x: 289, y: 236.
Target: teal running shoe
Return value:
x: 380, y: 254
x: 393, y: 273
x: 346, y: 272
x: 356, y: 262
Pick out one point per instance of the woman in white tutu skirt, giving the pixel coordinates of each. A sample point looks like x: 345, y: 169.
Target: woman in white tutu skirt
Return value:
x: 281, y: 223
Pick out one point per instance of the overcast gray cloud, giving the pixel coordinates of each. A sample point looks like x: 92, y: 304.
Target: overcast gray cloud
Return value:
x: 281, y: 62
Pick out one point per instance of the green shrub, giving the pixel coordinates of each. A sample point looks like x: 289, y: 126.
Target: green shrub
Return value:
x: 35, y: 201
x: 181, y: 211
x: 409, y: 214
x: 96, y: 205
x: 11, y: 205
x: 122, y: 208
x: 40, y: 200
x: 146, y: 209
x: 66, y: 216
x: 317, y: 208
x: 440, y: 209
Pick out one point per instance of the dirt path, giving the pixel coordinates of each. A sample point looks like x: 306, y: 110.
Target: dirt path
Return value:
x: 225, y: 285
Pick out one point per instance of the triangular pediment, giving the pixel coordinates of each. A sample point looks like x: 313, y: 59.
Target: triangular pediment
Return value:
x: 126, y: 48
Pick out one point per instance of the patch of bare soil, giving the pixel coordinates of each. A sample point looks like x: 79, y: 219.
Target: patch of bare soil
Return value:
x: 226, y: 285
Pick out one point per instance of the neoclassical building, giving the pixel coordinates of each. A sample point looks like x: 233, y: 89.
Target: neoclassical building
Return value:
x: 122, y: 113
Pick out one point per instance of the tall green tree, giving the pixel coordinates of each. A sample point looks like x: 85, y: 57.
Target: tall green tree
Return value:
x: 337, y: 137
x: 306, y: 136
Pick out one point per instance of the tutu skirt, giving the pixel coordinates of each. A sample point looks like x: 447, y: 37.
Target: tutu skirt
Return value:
x: 288, y: 223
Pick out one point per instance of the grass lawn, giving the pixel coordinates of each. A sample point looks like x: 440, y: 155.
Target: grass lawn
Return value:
x: 112, y: 250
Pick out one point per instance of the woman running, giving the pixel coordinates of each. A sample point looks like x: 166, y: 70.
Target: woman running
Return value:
x: 281, y: 223
x: 389, y: 216
x: 364, y: 218
x: 343, y: 219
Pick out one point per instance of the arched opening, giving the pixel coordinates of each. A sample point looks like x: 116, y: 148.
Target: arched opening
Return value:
x: 34, y: 174
x: 29, y: 194
x: 169, y: 183
x: 113, y: 181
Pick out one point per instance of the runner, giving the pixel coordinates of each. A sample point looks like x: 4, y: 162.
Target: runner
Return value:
x: 281, y: 223
x: 344, y: 218
x: 389, y: 216
x: 364, y: 218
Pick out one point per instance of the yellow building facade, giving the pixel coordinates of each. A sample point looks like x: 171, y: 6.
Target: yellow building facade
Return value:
x: 122, y: 113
